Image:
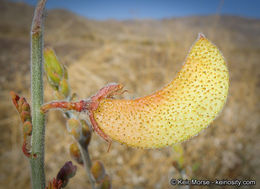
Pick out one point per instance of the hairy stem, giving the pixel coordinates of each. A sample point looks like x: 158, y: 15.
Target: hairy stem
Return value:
x: 87, y: 164
x: 38, y: 119
x: 85, y: 157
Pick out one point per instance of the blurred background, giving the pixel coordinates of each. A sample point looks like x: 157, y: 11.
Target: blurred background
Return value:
x: 141, y: 44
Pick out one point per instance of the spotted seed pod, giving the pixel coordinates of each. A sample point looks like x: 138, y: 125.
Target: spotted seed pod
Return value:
x: 175, y: 113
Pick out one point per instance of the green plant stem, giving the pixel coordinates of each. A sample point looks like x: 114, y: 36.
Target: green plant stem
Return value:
x: 87, y: 164
x: 38, y: 119
x: 85, y: 157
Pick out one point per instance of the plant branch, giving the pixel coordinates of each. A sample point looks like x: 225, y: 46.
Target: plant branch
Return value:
x: 57, y: 77
x: 87, y: 164
x: 38, y: 119
x: 85, y: 156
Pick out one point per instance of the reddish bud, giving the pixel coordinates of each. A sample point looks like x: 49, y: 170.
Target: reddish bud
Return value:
x: 23, y: 108
x: 27, y: 128
x: 25, y: 116
x: 26, y: 107
x: 25, y: 150
x: 21, y: 101
x: 15, y: 99
x: 55, y: 184
x: 66, y: 172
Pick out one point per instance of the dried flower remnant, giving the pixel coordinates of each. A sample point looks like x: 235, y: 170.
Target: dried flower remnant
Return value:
x: 66, y: 172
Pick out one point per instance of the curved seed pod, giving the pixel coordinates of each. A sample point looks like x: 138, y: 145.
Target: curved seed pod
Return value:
x: 175, y: 113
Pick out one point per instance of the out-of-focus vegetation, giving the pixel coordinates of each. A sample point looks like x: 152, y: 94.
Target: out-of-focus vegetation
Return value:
x: 144, y: 55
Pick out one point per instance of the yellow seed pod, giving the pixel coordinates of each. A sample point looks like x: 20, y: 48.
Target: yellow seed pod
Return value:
x: 175, y: 113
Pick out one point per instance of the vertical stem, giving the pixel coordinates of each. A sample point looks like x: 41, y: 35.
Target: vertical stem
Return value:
x: 85, y: 157
x: 87, y: 164
x: 38, y: 120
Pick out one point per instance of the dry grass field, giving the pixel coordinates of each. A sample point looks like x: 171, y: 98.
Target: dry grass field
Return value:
x: 144, y: 55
